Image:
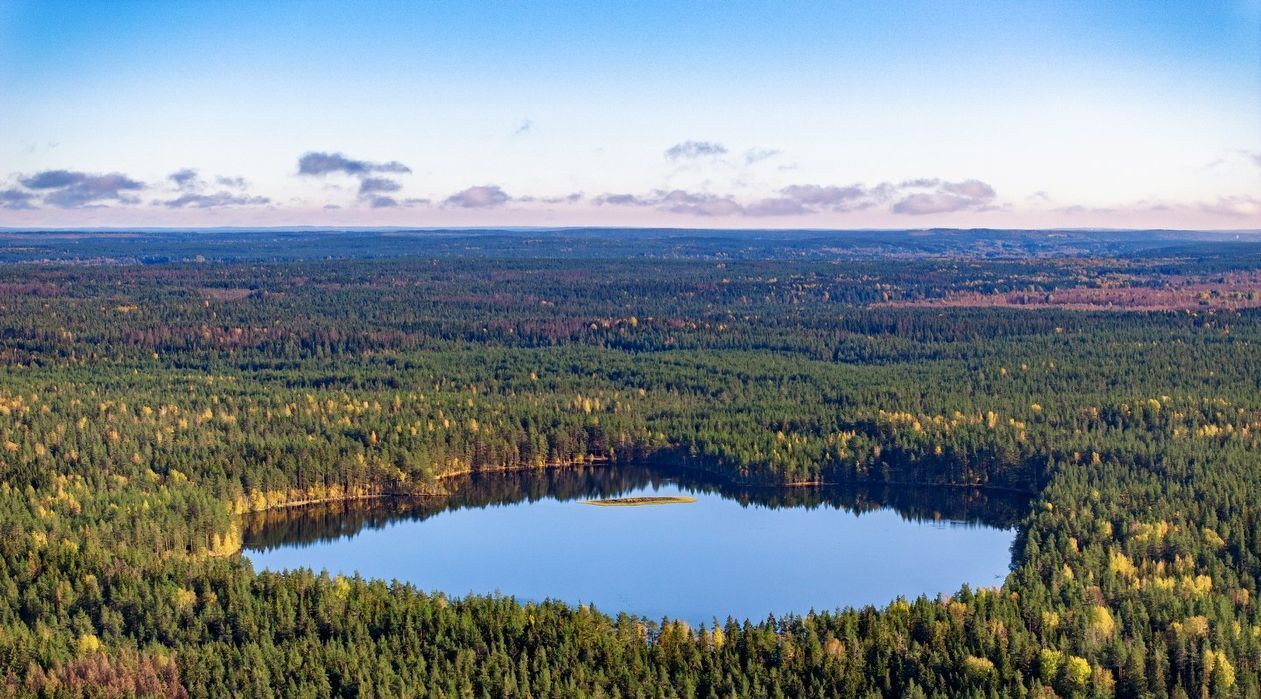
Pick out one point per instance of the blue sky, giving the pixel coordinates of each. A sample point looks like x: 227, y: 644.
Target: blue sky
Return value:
x: 889, y: 114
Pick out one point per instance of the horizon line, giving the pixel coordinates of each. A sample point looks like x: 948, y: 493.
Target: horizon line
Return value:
x: 545, y: 229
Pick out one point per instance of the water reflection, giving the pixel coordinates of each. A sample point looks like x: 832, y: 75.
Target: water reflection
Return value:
x: 946, y: 506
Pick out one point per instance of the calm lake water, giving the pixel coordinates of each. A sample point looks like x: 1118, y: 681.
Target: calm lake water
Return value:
x: 745, y: 553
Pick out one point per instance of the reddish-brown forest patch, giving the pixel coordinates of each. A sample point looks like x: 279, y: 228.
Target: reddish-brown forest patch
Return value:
x: 1229, y: 292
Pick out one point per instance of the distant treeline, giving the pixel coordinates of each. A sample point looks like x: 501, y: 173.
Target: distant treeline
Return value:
x: 166, y: 246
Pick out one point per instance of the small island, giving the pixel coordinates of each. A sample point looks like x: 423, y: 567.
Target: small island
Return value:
x: 643, y: 500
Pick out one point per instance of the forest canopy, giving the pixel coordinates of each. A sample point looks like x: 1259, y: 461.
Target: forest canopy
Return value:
x: 147, y: 406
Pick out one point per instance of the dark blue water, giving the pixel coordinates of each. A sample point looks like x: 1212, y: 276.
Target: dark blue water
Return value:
x: 746, y: 554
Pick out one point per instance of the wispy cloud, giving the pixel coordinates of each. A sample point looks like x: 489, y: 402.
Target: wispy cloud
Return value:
x: 15, y: 199
x: 384, y: 202
x: 930, y: 203
x: 363, y: 185
x: 216, y: 199
x: 829, y: 197
x: 920, y: 196
x: 799, y: 199
x: 186, y: 177
x: 373, y: 185
x: 793, y: 200
x: 1248, y: 158
x: 1079, y: 210
x: 944, y: 197
x: 480, y: 197
x: 624, y: 200
x: 777, y: 206
x: 373, y: 190
x: 680, y: 202
x: 571, y: 198
x: 691, y: 150
x: 68, y: 189
x: 316, y: 164
x: 1237, y: 206
x: 192, y: 194
x: 757, y: 155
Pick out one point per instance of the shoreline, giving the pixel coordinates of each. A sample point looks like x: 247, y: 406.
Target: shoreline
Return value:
x: 435, y: 490
x: 428, y: 492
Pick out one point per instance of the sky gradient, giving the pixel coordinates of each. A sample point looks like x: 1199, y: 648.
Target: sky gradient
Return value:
x: 828, y: 115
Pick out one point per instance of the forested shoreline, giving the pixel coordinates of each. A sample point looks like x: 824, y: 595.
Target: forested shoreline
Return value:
x: 145, y: 408
x: 333, y: 520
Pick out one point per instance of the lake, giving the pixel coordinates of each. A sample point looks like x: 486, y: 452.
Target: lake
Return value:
x: 740, y: 552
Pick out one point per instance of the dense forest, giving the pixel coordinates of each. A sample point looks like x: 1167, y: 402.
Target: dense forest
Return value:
x: 151, y: 409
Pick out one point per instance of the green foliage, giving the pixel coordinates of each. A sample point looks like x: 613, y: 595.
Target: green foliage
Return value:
x: 145, y: 409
